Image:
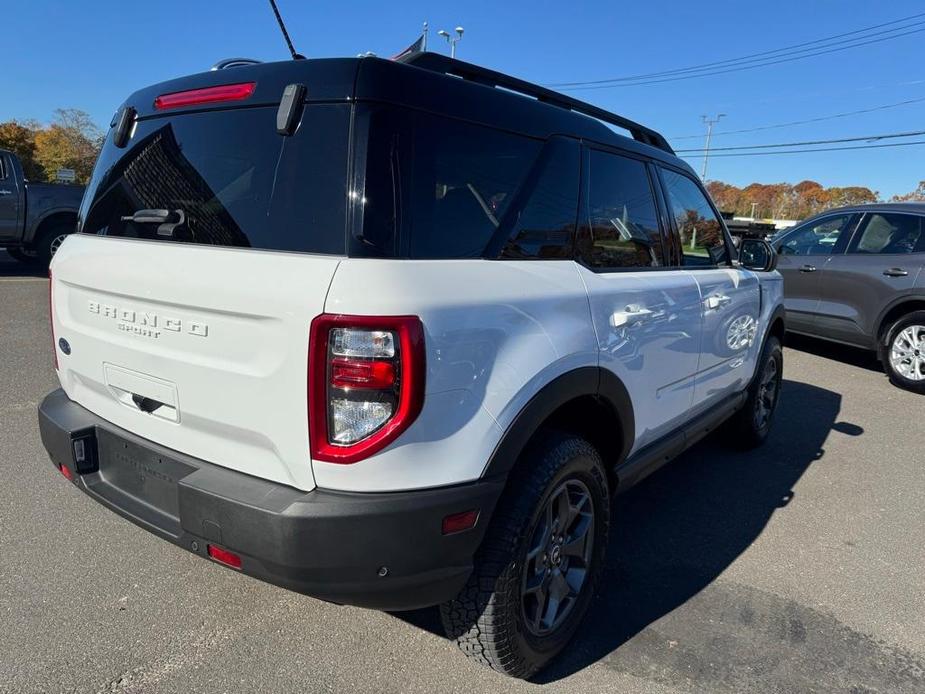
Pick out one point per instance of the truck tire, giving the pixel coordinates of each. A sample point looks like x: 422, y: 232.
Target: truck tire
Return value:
x: 540, y: 561
x: 22, y: 256
x: 903, y: 352
x: 48, y: 241
x: 750, y: 426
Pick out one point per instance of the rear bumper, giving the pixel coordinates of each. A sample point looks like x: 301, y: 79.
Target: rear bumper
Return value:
x: 330, y: 545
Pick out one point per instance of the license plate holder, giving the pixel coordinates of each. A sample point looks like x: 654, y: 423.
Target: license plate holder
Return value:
x: 143, y: 474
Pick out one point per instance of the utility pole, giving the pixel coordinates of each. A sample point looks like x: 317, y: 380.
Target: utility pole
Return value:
x: 424, y: 40
x: 452, y: 40
x: 709, y: 122
x: 754, y: 205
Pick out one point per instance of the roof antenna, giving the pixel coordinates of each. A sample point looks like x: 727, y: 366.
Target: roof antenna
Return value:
x: 282, y: 27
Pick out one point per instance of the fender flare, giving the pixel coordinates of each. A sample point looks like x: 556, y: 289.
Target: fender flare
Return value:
x: 588, y: 380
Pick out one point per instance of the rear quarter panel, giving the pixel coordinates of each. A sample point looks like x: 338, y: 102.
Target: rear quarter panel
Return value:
x: 495, y: 333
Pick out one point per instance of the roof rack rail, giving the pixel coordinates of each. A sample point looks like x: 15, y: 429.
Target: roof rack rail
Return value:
x: 234, y: 62
x: 451, y: 66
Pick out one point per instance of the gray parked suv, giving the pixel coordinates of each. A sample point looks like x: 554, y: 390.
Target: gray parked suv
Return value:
x: 854, y: 275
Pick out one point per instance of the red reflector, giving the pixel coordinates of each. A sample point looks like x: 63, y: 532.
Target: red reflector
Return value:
x: 208, y: 95
x: 361, y: 373
x: 223, y: 556
x: 66, y: 471
x: 458, y: 522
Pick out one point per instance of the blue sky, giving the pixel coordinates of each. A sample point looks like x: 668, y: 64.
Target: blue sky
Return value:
x: 90, y: 55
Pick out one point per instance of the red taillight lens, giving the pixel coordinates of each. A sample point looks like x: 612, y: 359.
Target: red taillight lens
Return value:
x: 358, y: 373
x: 51, y: 317
x: 365, y: 385
x: 66, y: 471
x: 223, y: 556
x: 207, y: 95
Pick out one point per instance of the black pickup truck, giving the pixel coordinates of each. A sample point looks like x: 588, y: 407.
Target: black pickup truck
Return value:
x: 34, y: 217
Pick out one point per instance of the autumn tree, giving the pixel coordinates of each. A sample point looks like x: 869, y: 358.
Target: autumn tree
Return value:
x: 917, y: 195
x: 19, y: 137
x: 786, y: 201
x: 72, y: 141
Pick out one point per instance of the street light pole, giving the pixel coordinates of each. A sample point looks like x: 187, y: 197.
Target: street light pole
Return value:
x: 709, y: 122
x: 452, y: 40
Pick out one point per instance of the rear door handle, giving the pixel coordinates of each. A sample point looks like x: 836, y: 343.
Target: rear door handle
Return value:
x: 632, y: 314
x: 4, y: 191
x: 895, y: 272
x: 808, y: 268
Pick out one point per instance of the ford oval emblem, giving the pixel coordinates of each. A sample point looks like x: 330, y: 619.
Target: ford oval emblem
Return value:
x: 64, y: 345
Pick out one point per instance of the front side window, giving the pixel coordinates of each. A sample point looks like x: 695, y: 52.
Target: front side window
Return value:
x: 816, y: 238
x: 622, y: 230
x: 888, y: 234
x: 703, y: 242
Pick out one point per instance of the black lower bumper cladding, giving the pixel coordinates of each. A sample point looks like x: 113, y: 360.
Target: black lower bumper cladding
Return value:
x: 379, y: 550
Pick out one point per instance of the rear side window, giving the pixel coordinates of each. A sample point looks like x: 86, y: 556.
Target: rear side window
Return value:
x: 226, y: 178
x: 703, y: 242
x: 888, y: 234
x: 436, y: 187
x: 542, y: 226
x: 622, y: 229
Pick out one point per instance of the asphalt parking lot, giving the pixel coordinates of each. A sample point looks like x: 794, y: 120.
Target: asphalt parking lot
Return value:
x: 796, y: 568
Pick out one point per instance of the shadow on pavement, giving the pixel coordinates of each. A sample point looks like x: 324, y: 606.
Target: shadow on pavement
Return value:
x: 862, y: 358
x: 676, y: 532
x: 10, y: 267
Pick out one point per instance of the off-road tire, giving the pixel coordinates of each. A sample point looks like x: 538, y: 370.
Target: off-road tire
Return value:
x: 46, y: 244
x: 745, y: 429
x: 486, y: 619
x: 896, y: 378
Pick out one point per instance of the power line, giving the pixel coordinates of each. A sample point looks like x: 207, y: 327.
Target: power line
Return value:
x: 743, y: 67
x: 820, y: 149
x: 804, y: 122
x: 745, y: 57
x: 867, y: 138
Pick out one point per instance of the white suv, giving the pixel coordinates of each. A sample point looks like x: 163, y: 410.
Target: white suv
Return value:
x: 392, y: 335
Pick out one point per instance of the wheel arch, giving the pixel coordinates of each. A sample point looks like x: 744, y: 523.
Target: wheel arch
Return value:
x: 895, y: 310
x: 49, y: 219
x: 590, y: 401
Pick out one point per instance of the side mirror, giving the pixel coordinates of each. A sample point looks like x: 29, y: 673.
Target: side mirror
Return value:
x: 758, y: 255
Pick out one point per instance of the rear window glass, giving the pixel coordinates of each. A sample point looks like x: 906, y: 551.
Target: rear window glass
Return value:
x: 436, y: 187
x: 226, y: 178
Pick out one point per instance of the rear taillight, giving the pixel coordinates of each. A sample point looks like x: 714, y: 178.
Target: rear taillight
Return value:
x: 207, y: 95
x: 365, y: 383
x: 51, y: 317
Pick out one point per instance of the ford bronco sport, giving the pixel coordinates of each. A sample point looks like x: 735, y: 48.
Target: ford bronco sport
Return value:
x: 393, y: 334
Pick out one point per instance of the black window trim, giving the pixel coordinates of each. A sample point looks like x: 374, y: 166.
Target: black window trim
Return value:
x: 731, y: 253
x: 3, y: 167
x: 860, y: 223
x: 584, y: 209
